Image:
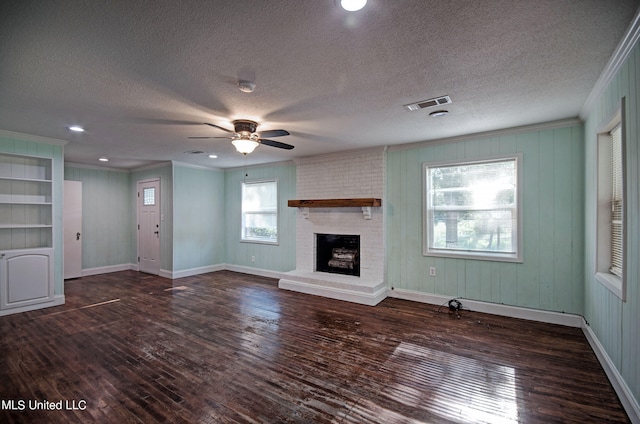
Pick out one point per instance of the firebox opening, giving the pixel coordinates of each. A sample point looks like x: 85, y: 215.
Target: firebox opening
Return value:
x: 338, y: 254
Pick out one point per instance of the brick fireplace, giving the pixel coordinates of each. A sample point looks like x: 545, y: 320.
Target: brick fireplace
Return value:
x: 351, y: 175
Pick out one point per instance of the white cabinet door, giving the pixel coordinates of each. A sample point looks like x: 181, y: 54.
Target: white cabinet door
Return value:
x: 26, y: 277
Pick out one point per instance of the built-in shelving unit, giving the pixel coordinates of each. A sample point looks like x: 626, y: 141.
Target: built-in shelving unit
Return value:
x: 25, y: 202
x: 26, y: 231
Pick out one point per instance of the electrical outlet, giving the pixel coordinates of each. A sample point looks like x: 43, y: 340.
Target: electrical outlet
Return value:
x: 432, y: 271
x: 253, y: 259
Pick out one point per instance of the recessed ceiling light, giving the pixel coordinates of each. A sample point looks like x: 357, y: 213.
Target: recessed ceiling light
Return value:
x: 213, y: 156
x: 103, y: 159
x: 352, y: 5
x: 76, y: 128
x: 439, y: 113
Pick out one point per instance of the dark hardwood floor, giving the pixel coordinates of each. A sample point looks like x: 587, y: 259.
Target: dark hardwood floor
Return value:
x: 232, y: 348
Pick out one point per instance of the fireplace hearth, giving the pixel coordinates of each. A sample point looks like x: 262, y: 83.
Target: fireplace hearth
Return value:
x: 338, y: 254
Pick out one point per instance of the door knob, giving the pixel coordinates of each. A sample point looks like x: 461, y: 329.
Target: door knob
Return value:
x: 156, y: 232
x: 77, y: 236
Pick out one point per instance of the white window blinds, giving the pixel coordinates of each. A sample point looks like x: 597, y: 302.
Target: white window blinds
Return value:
x: 617, y: 202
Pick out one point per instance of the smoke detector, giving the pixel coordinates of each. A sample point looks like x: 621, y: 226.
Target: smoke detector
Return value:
x: 246, y: 86
x: 436, y: 101
x: 439, y: 113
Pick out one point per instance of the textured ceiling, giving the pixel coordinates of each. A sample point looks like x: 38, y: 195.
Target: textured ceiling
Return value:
x: 143, y: 76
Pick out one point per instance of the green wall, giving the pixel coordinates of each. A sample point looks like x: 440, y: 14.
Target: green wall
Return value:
x: 198, y: 217
x: 281, y: 257
x: 551, y: 275
x: 200, y: 208
x: 617, y: 323
x: 106, y: 216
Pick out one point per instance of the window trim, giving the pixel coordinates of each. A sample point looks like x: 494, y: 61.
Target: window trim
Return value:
x: 516, y: 257
x: 602, y: 206
x: 277, y: 213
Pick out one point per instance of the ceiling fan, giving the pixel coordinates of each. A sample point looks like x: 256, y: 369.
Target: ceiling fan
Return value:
x: 245, y: 138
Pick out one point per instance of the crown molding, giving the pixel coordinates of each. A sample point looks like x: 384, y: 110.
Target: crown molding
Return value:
x: 95, y: 167
x: 194, y: 166
x: 562, y: 123
x: 32, y: 138
x: 620, y: 55
x: 260, y: 165
x: 376, y: 150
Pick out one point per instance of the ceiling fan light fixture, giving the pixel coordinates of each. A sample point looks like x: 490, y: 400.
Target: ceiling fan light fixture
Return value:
x: 352, y: 5
x: 244, y: 145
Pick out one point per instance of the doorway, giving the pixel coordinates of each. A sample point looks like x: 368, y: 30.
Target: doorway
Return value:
x: 72, y: 242
x: 148, y: 201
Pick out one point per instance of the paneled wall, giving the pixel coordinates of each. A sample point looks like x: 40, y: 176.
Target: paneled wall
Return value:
x: 198, y: 217
x: 551, y: 275
x: 106, y: 216
x: 279, y: 257
x: 617, y: 323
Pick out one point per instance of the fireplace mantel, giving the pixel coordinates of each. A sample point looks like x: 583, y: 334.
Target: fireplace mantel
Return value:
x: 336, y: 203
x: 366, y: 203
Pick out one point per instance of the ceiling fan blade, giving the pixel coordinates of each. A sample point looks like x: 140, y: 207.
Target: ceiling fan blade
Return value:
x: 273, y: 133
x: 219, y: 127
x: 277, y: 144
x: 228, y: 138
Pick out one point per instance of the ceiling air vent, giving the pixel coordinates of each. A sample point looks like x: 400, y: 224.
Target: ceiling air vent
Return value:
x: 438, y: 101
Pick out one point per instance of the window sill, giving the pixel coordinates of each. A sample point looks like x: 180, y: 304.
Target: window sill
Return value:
x: 611, y: 282
x: 495, y: 257
x: 273, y: 243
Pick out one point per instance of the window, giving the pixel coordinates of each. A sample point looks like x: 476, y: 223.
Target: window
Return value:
x: 617, y: 202
x: 260, y: 212
x: 149, y: 196
x: 610, y: 243
x: 472, y: 209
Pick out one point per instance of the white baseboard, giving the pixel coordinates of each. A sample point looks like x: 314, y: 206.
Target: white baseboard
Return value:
x: 192, y: 271
x: 57, y: 300
x: 254, y: 271
x: 629, y: 403
x: 550, y: 317
x: 107, y: 269
x: 185, y: 272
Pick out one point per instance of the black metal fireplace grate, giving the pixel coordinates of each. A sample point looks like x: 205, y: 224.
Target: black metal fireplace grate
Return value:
x: 338, y: 253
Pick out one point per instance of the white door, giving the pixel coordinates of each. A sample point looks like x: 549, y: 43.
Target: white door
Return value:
x: 72, y: 229
x: 149, y: 226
